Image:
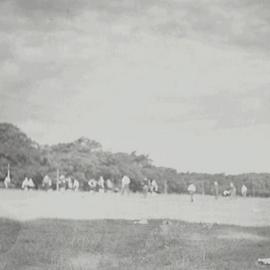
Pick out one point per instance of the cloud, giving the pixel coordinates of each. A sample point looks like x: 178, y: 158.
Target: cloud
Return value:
x: 136, y: 73
x: 245, y: 24
x: 232, y: 110
x: 222, y: 110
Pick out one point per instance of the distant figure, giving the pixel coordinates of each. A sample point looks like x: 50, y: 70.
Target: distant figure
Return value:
x: 109, y: 185
x: 226, y: 193
x: 154, y: 186
x: 145, y: 187
x: 62, y: 183
x: 31, y: 184
x: 47, y: 183
x: 244, y: 190
x: 216, y: 187
x: 69, y: 183
x: 25, y: 184
x: 125, y: 185
x: 7, y: 181
x: 233, y: 190
x: 92, y: 183
x: 101, y: 183
x: 191, y: 190
x: 76, y: 185
x: 165, y: 186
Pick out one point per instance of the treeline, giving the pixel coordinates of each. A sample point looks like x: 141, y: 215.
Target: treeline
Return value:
x: 84, y: 159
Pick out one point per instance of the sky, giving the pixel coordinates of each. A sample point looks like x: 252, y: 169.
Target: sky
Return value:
x: 184, y: 81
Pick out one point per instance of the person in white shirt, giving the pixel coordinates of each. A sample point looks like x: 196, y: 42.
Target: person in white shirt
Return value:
x: 101, y: 184
x: 69, y: 183
x: 7, y: 181
x: 92, y: 183
x: 47, y: 183
x: 25, y: 184
x: 216, y: 189
x: 109, y: 185
x: 62, y: 183
x: 154, y: 186
x: 31, y: 184
x: 125, y: 185
x: 145, y: 187
x: 76, y: 185
x: 233, y: 190
x: 191, y: 190
x: 244, y: 190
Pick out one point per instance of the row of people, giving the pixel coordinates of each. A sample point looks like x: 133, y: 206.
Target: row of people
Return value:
x: 148, y: 186
x: 100, y: 185
x: 94, y: 185
x: 231, y: 192
x: 68, y: 183
x: 64, y: 183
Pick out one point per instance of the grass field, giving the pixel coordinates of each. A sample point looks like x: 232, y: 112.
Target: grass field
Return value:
x: 84, y: 206
x: 117, y: 244
x: 81, y: 231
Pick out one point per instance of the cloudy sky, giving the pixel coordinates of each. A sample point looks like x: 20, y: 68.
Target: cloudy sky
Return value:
x: 184, y: 81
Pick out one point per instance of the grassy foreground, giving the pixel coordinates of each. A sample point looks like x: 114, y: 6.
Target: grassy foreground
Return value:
x: 117, y: 244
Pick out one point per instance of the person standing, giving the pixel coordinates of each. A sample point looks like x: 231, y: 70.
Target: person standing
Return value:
x: 69, y: 184
x: 101, y: 184
x: 7, y: 182
x: 166, y: 187
x: 25, y: 184
x: 62, y: 183
x: 76, y: 185
x: 244, y: 190
x: 216, y: 190
x: 125, y: 185
x: 31, y: 184
x: 233, y: 190
x: 92, y: 183
x: 145, y: 187
x: 154, y: 186
x: 47, y: 183
x: 191, y: 190
x: 109, y: 185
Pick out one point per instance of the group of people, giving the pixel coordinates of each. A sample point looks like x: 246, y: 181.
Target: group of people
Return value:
x: 71, y: 184
x: 231, y: 192
x: 68, y: 183
x: 101, y: 185
x: 149, y: 186
x: 63, y: 183
x: 28, y: 184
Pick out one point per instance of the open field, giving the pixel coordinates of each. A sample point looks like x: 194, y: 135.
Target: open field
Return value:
x: 117, y: 244
x: 22, y: 206
x: 82, y: 231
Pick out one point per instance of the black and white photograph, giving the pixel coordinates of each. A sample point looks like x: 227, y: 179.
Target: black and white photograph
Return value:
x: 134, y: 134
